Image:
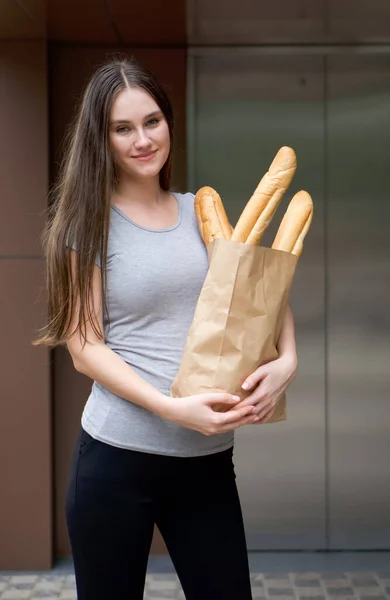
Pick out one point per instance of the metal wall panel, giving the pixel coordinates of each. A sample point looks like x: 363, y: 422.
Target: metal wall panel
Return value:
x: 358, y: 258
x: 226, y: 22
x: 358, y: 21
x: 243, y: 107
x: 253, y: 22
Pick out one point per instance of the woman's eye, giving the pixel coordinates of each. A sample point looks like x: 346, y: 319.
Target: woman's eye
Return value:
x: 152, y: 122
x: 123, y: 129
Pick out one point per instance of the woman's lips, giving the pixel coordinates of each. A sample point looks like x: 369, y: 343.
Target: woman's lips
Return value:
x: 145, y: 157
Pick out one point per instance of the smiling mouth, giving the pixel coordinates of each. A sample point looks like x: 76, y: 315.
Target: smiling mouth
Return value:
x: 146, y: 156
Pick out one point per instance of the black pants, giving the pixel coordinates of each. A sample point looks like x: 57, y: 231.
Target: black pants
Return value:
x: 116, y: 496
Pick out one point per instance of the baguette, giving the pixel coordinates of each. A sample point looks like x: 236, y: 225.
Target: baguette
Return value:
x: 264, y: 201
x: 211, y: 216
x: 295, y: 224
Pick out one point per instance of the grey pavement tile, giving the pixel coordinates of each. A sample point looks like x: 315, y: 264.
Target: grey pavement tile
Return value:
x: 281, y: 591
x: 372, y: 597
x: 169, y: 584
x: 68, y: 595
x: 365, y: 583
x: 306, y: 582
x: 278, y: 583
x: 147, y: 597
x: 44, y: 593
x: 20, y: 586
x: 161, y: 594
x: 23, y: 579
x: 359, y: 578
x: 282, y: 597
x: 69, y: 585
x: 56, y: 597
x: 258, y: 591
x: 312, y: 597
x: 309, y: 591
x: 334, y: 590
x: 277, y: 576
x: 69, y: 582
x: 161, y: 577
x: 15, y: 594
x: 48, y: 586
x: 369, y: 591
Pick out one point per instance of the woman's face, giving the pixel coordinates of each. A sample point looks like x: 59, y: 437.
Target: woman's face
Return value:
x: 138, y: 134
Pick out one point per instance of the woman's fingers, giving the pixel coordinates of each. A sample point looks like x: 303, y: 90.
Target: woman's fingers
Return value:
x: 257, y: 396
x: 254, y: 378
x: 247, y: 420
x: 266, y: 414
x: 233, y: 420
x: 221, y: 398
x: 236, y: 415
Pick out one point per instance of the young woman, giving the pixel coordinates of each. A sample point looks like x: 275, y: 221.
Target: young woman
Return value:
x: 125, y: 265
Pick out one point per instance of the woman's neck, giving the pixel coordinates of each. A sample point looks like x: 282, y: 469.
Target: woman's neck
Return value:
x: 146, y: 191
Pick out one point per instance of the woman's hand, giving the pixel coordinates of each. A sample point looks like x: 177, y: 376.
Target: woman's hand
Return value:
x: 268, y: 383
x: 196, y: 412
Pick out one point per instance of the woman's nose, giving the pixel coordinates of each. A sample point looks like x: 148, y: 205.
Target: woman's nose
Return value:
x: 142, y: 138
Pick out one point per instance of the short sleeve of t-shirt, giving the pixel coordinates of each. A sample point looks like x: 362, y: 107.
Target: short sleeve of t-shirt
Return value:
x: 74, y: 247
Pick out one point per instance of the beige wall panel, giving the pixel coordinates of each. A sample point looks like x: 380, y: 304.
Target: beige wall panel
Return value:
x: 83, y: 21
x: 37, y: 9
x: 17, y: 23
x: 69, y: 68
x: 23, y: 148
x: 25, y: 429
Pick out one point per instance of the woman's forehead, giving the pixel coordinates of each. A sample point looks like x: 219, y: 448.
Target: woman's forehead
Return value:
x: 132, y: 104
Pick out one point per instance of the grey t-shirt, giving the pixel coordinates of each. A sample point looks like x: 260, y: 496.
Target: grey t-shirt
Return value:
x: 154, y: 278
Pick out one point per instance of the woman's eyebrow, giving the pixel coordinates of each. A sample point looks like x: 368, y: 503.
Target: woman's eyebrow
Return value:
x: 153, y: 114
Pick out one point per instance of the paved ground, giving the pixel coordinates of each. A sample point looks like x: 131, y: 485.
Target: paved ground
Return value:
x: 288, y: 586
x: 332, y: 579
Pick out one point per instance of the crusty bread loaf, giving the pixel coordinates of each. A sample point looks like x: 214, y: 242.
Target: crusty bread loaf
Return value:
x: 211, y: 216
x: 295, y: 224
x: 261, y: 207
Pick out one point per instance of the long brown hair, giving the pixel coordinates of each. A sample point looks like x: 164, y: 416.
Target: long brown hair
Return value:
x: 79, y: 215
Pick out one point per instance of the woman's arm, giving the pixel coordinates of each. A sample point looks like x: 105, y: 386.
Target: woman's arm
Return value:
x: 286, y: 345
x: 97, y: 361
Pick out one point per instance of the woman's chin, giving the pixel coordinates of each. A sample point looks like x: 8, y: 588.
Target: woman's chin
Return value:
x: 146, y: 170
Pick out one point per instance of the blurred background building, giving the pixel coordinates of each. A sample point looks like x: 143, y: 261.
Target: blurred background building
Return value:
x: 245, y: 78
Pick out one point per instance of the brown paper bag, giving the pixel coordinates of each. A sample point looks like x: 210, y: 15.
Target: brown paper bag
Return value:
x: 237, y: 320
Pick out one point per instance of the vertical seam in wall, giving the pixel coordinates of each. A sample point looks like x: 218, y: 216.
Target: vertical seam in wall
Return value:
x: 191, y: 25
x: 24, y: 9
x: 326, y: 307
x: 325, y: 8
x: 33, y: 18
x: 191, y: 120
x: 52, y: 352
x: 114, y: 26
